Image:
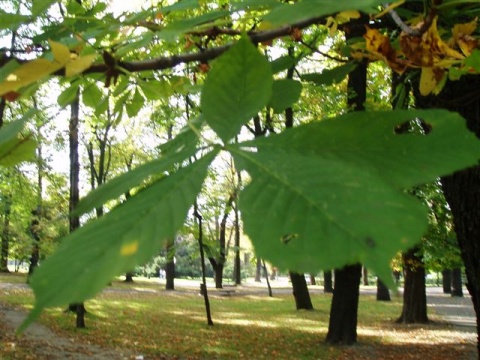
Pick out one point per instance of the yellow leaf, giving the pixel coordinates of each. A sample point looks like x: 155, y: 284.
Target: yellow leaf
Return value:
x: 431, y: 80
x: 27, y: 74
x: 345, y: 16
x: 427, y: 81
x: 61, y: 53
x: 77, y: 66
x: 460, y: 30
x: 129, y: 249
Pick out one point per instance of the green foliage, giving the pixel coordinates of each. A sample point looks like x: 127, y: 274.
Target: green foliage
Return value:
x: 285, y: 93
x: 237, y: 88
x: 330, y: 76
x: 116, y: 242
x: 16, y: 147
x: 306, y: 9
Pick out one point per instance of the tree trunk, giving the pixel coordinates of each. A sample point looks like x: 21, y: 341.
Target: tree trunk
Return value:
x: 35, y: 254
x: 327, y: 281
x: 457, y: 282
x: 218, y: 274
x: 300, y: 292
x: 312, y: 279
x: 365, y: 276
x: 383, y: 294
x: 258, y: 271
x: 447, y: 281
x: 237, y: 266
x: 414, y: 296
x: 5, y: 234
x: 170, y: 270
x: 129, y: 277
x: 74, y: 186
x: 461, y: 189
x: 342, y: 327
x: 203, y: 285
x: 270, y: 293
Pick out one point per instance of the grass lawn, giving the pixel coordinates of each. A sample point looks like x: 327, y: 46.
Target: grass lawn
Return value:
x: 160, y: 324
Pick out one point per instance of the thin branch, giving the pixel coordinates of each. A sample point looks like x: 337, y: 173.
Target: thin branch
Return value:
x: 208, y: 54
x: 407, y: 29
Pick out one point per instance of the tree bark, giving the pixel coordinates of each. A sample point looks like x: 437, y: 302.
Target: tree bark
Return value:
x: 237, y: 265
x: 414, y: 295
x: 5, y: 234
x: 462, y: 189
x: 74, y: 186
x: 327, y: 281
x: 342, y: 327
x: 258, y: 271
x: 383, y: 293
x: 447, y: 281
x: 129, y: 277
x: 365, y: 276
x: 300, y: 292
x: 203, y: 285
x: 457, y: 282
x: 35, y: 254
x: 170, y: 270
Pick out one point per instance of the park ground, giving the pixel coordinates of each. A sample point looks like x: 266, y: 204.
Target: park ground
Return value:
x: 142, y: 321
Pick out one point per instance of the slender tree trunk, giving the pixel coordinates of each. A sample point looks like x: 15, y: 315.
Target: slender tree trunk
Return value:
x: 327, y: 281
x: 312, y: 279
x: 342, y: 327
x: 414, y: 295
x: 270, y: 293
x: 447, y: 281
x: 74, y: 188
x: 258, y: 271
x: 6, y: 214
x: 300, y: 292
x: 5, y: 234
x: 461, y: 189
x: 365, y: 276
x: 457, y: 282
x: 170, y: 269
x: 35, y: 254
x: 237, y: 266
x: 383, y: 293
x: 203, y: 285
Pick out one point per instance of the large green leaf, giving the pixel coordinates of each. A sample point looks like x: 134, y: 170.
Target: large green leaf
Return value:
x: 128, y: 235
x: 330, y: 76
x: 368, y: 139
x: 40, y: 6
x: 285, y: 93
x: 305, y: 212
x: 330, y: 193
x: 238, y: 86
x: 11, y: 21
x: 16, y: 147
x: 301, y: 10
x: 173, y: 152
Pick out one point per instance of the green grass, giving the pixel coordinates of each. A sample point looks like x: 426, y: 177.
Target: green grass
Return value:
x: 174, y: 323
x: 162, y: 324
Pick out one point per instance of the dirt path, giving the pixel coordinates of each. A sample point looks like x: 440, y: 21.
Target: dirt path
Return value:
x: 38, y: 342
